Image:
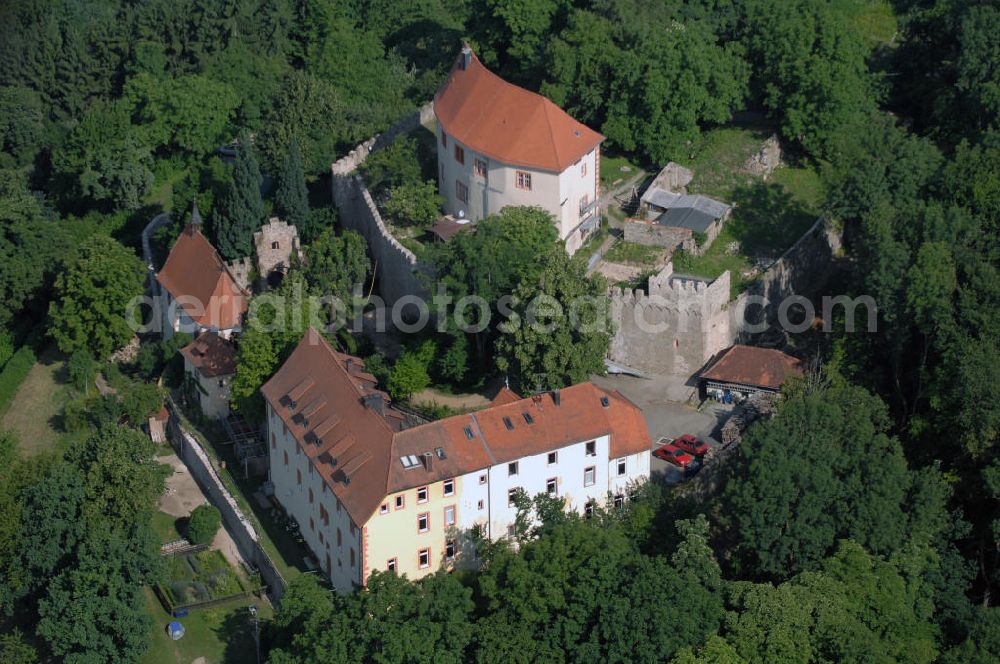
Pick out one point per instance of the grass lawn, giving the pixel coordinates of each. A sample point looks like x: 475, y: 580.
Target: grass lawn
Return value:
x: 875, y: 19
x: 611, y: 170
x: 165, y: 527
x: 35, y: 413
x: 633, y: 253
x: 220, y: 635
x: 768, y: 217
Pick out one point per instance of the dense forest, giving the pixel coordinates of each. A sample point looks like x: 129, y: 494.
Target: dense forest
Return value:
x: 860, y: 523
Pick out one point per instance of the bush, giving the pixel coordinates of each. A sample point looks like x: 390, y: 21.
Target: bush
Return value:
x: 411, y: 372
x: 203, y: 524
x: 82, y: 370
x: 14, y: 373
x: 6, y: 346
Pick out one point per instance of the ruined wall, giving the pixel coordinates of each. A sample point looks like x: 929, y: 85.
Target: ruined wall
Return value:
x: 800, y: 270
x: 396, y: 267
x: 276, y: 243
x: 653, y: 234
x: 681, y: 323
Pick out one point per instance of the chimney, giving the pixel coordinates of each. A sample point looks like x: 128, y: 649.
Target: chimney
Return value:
x: 428, y: 461
x: 556, y: 398
x: 466, y: 56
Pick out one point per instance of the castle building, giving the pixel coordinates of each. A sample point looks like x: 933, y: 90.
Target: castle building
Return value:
x: 211, y: 361
x: 369, y: 494
x: 197, y: 291
x: 500, y: 145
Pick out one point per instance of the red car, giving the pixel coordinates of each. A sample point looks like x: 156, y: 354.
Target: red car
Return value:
x: 673, y: 454
x: 691, y: 445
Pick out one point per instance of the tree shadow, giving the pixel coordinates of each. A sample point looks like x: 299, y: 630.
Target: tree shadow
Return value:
x: 237, y: 632
x: 767, y: 219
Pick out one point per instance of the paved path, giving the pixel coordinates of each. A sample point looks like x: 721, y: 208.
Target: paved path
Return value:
x: 147, y: 233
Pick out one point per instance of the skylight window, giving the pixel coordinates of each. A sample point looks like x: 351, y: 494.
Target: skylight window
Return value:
x: 507, y: 423
x: 605, y: 402
x: 468, y: 433
x: 528, y: 418
x: 409, y: 461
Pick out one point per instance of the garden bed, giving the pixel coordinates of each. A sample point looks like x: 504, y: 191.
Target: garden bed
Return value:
x: 202, y: 579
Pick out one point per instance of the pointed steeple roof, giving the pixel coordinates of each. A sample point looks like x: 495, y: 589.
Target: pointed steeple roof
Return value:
x: 195, y: 214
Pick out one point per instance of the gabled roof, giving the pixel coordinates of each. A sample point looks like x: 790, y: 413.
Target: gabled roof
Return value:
x: 211, y: 355
x: 754, y: 367
x: 195, y: 275
x: 506, y: 122
x: 363, y: 457
x: 692, y: 211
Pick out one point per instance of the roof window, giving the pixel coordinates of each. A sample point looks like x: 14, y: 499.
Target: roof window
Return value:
x: 507, y: 423
x: 528, y: 418
x: 468, y: 432
x: 409, y: 461
x: 605, y: 402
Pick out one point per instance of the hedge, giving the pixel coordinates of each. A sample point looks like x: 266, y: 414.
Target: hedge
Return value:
x: 14, y: 373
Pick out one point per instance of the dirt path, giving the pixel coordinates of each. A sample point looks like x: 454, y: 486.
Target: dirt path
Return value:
x: 183, y: 495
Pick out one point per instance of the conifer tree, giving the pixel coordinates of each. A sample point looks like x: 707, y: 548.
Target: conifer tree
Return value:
x: 292, y: 197
x: 242, y: 209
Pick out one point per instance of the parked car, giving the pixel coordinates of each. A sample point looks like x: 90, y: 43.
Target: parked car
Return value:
x: 673, y: 454
x: 692, y: 445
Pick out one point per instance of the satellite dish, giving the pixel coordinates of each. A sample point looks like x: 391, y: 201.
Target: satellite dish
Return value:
x: 461, y: 214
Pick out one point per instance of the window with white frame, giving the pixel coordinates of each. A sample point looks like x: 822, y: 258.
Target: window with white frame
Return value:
x: 423, y: 522
x: 449, y: 515
x: 479, y: 167
x: 424, y: 558
x: 511, y: 494
x: 422, y: 494
x: 621, y: 467
x: 449, y: 487
x: 551, y: 486
x: 591, y: 448
x: 553, y: 458
x: 522, y: 180
x: 391, y: 564
x: 449, y: 550
x: 589, y: 476
x: 512, y: 468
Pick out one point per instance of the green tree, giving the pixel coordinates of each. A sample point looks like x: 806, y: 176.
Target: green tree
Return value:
x: 92, y: 296
x: 203, y: 524
x: 310, y: 111
x: 560, y: 329
x: 804, y: 480
x: 189, y: 114
x: 95, y: 610
x: 14, y: 649
x: 416, y: 204
x: 810, y: 66
x: 411, y: 372
x: 335, y: 264
x: 241, y: 211
x: 292, y: 197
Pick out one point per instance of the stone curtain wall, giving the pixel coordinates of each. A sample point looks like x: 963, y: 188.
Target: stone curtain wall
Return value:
x: 236, y: 523
x: 396, y: 268
x: 693, y: 319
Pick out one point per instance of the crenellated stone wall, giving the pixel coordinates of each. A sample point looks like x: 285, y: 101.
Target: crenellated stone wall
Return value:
x: 673, y: 328
x: 681, y: 323
x: 396, y: 268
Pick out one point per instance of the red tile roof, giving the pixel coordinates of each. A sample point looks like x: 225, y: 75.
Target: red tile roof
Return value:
x: 195, y: 275
x: 752, y: 366
x: 316, y: 396
x: 211, y: 355
x: 505, y: 395
x: 508, y: 123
